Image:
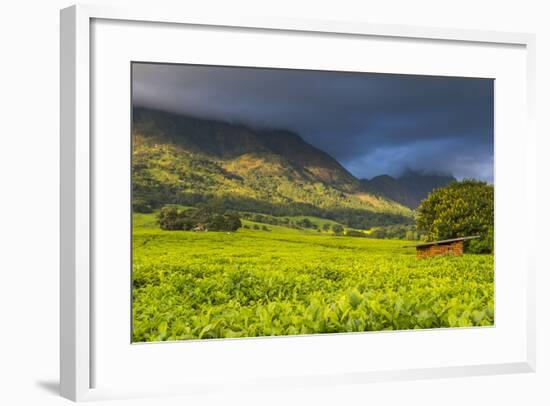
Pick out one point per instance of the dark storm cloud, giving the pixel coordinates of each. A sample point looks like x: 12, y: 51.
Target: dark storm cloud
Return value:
x: 371, y: 123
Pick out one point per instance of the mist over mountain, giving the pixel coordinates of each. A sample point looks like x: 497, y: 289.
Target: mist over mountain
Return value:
x: 410, y: 188
x: 371, y: 123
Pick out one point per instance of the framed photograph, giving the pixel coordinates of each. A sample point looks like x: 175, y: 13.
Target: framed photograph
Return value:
x: 275, y: 202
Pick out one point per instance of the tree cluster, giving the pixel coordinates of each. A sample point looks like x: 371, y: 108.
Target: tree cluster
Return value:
x: 395, y: 232
x: 171, y: 218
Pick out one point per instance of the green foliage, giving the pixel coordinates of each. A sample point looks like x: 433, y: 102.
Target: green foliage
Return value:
x: 140, y: 206
x: 170, y: 218
x: 461, y: 209
x: 308, y: 222
x: 482, y: 245
x: 355, y: 233
x: 232, y: 221
x: 305, y: 223
x: 337, y: 229
x: 398, y: 231
x: 211, y: 285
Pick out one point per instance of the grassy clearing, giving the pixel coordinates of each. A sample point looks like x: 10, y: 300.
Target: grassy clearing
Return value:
x: 285, y: 281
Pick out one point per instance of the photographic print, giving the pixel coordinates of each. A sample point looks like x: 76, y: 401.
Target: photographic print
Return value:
x: 277, y: 202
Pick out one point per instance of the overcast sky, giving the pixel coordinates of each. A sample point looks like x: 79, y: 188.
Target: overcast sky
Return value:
x: 371, y: 123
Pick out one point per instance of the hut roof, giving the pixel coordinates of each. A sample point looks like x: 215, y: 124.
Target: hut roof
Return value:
x: 440, y: 242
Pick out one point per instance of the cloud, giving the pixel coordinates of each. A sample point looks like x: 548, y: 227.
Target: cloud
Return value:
x: 371, y: 123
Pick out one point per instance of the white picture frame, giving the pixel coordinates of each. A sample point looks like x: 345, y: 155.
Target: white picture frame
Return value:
x: 77, y: 282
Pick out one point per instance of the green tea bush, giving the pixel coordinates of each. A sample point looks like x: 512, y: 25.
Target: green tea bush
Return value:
x: 251, y: 283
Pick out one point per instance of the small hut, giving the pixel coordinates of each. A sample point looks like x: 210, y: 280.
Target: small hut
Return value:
x: 453, y: 246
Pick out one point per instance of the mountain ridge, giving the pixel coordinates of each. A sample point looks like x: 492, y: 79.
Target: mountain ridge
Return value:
x: 230, y: 140
x: 183, y: 159
x: 410, y: 188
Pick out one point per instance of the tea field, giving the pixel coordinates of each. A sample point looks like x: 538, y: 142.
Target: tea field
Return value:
x: 204, y: 285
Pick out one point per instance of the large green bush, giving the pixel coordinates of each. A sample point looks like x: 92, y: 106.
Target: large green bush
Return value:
x: 460, y: 209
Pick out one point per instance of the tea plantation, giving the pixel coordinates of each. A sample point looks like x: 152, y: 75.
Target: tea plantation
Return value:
x: 283, y: 281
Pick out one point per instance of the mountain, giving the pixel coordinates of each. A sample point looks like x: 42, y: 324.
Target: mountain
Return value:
x: 226, y: 142
x: 392, y: 188
x: 188, y: 160
x: 316, y: 164
x: 408, y: 189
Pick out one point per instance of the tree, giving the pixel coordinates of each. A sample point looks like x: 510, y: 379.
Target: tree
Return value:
x: 141, y: 206
x: 337, y: 229
x: 168, y: 218
x: 217, y: 223
x: 460, y: 209
x: 326, y: 227
x: 305, y: 223
x: 233, y: 221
